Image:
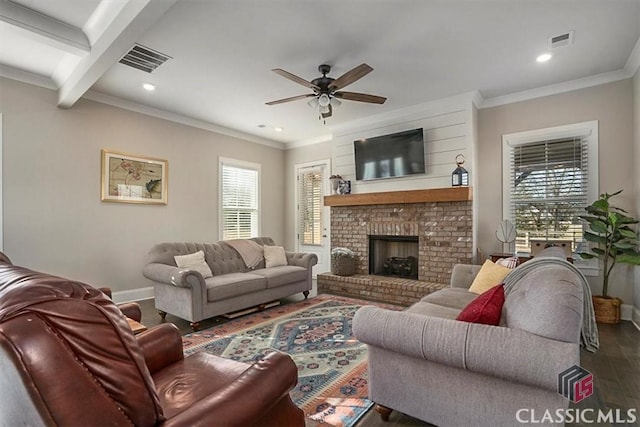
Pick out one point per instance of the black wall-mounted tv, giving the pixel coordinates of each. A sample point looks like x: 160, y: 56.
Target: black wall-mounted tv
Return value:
x: 390, y: 156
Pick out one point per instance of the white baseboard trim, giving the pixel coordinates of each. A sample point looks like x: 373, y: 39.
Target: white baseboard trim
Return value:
x: 133, y: 295
x: 635, y: 317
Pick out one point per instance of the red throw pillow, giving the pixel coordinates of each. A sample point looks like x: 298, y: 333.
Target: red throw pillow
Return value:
x: 486, y: 308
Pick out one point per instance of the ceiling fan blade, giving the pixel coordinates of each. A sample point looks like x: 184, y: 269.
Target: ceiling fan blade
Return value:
x: 360, y: 97
x: 293, y: 98
x: 350, y: 76
x: 294, y: 78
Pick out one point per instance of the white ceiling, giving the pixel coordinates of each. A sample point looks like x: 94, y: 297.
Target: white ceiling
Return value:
x: 223, y: 52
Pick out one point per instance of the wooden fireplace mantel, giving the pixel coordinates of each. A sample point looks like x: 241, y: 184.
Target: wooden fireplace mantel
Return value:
x: 451, y: 194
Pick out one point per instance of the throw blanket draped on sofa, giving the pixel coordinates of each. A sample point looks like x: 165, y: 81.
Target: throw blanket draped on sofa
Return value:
x: 589, y: 334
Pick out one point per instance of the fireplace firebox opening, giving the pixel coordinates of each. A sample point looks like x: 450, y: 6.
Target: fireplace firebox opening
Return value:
x: 395, y: 256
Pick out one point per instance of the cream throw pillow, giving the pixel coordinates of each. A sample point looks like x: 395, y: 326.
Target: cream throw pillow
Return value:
x: 274, y: 256
x: 489, y: 276
x: 194, y: 262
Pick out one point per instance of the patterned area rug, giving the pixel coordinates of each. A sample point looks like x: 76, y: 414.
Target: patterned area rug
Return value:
x: 332, y: 385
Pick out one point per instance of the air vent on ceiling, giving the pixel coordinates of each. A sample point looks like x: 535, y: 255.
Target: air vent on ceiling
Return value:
x: 143, y: 58
x: 560, y: 40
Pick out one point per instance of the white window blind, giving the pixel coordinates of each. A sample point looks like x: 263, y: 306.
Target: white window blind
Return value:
x: 549, y: 189
x: 239, y: 201
x: 311, y: 184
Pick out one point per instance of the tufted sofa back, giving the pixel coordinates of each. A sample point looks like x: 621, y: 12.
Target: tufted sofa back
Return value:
x: 64, y: 344
x: 547, y: 301
x: 221, y: 257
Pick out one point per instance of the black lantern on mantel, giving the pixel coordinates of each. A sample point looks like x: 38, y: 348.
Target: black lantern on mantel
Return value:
x: 460, y: 176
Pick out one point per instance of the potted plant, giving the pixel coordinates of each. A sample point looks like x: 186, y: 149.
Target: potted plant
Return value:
x: 615, y: 242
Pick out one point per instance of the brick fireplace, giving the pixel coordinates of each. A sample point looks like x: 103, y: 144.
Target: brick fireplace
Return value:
x: 443, y: 229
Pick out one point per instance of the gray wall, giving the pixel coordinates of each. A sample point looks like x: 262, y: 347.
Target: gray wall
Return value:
x: 54, y: 220
x: 612, y: 105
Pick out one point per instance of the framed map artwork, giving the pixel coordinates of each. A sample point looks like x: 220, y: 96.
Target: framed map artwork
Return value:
x: 129, y: 178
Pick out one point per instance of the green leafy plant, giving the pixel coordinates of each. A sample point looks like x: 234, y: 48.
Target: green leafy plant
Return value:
x: 611, y: 232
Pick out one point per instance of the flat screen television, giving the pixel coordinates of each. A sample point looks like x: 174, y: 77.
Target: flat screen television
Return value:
x: 390, y: 156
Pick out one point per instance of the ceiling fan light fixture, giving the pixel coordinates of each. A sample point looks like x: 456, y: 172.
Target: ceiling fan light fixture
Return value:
x: 313, y: 103
x: 335, y: 102
x: 324, y: 100
x: 324, y: 109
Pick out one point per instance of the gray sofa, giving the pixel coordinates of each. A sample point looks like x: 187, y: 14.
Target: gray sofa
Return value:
x: 424, y: 363
x: 186, y: 294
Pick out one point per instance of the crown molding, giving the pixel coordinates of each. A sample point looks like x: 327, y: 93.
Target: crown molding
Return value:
x: 414, y: 112
x: 309, y: 141
x: 27, y: 77
x: 555, y: 89
x: 178, y: 118
x: 633, y: 63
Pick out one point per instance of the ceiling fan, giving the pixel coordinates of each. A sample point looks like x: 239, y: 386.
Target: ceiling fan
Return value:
x: 326, y: 90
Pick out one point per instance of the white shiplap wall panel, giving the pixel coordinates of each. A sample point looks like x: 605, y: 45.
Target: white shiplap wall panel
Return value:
x: 445, y: 133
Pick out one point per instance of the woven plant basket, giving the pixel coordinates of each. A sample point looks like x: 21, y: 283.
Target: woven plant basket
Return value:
x: 607, y: 309
x: 343, y: 266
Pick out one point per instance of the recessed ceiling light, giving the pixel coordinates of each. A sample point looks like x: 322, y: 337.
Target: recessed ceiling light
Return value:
x: 149, y: 87
x: 278, y: 129
x: 544, y: 57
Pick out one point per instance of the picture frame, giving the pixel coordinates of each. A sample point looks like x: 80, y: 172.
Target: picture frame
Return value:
x: 128, y: 178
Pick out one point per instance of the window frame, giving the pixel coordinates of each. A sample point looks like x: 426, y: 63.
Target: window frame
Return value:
x: 585, y: 130
x: 240, y: 164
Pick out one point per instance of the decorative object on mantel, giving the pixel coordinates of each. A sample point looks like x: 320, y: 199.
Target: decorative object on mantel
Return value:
x: 344, y: 187
x: 616, y: 242
x: 343, y: 262
x: 460, y: 176
x: 335, y: 183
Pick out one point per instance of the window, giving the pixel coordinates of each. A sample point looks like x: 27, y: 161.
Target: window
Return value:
x: 239, y: 199
x: 550, y: 175
x: 310, y: 203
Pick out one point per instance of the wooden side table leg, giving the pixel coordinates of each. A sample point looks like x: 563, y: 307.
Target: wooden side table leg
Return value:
x: 305, y: 293
x: 163, y: 315
x: 384, y: 412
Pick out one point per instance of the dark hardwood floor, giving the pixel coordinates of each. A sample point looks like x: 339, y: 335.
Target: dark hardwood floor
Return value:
x: 615, y: 367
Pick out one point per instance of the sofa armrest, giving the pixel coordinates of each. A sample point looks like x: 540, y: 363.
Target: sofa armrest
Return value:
x: 161, y: 346
x: 300, y: 259
x: 263, y: 384
x: 170, y: 275
x: 507, y: 353
x: 462, y: 275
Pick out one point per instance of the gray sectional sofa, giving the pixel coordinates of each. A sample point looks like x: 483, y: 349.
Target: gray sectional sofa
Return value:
x: 424, y: 363
x: 186, y: 294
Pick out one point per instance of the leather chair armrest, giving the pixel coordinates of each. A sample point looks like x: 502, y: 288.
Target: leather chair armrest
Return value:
x: 131, y: 310
x: 161, y: 346
x: 245, y: 399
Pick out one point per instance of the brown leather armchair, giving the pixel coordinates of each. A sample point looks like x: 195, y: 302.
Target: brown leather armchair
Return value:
x: 68, y: 358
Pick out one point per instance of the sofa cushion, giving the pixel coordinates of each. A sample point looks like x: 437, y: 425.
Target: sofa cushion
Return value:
x: 489, y: 276
x: 457, y: 298
x: 195, y: 262
x: 282, y: 275
x: 485, y: 309
x: 434, y: 310
x: 233, y: 284
x: 274, y: 256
